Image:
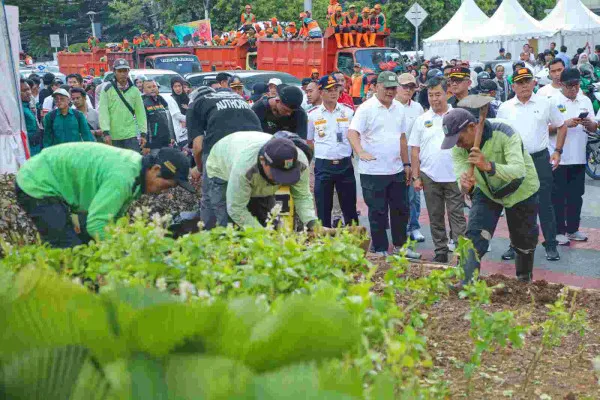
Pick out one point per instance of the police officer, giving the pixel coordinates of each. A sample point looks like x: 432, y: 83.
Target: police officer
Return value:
x: 504, y: 177
x: 530, y: 114
x: 327, y: 127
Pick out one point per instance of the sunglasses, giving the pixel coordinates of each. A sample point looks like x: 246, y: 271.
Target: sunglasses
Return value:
x: 571, y: 85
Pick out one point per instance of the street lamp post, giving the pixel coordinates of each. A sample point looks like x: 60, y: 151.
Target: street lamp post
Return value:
x: 92, y: 14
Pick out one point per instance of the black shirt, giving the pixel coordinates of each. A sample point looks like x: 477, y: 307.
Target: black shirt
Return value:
x: 217, y: 115
x: 271, y: 123
x: 160, y: 127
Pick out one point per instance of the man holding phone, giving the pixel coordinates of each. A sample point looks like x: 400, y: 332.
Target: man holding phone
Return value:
x: 569, y: 177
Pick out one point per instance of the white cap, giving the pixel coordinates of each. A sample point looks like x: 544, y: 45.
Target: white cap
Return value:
x: 62, y: 92
x: 275, y: 81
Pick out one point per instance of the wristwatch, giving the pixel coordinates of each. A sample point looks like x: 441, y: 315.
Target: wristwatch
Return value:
x: 406, y: 164
x: 559, y: 151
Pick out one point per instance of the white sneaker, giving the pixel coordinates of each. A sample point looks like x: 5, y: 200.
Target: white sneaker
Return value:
x: 379, y: 253
x: 417, y: 236
x: 451, y: 245
x: 408, y: 253
x: 563, y: 240
x: 577, y: 236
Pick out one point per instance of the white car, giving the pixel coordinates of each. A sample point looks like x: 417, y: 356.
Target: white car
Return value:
x: 161, y: 76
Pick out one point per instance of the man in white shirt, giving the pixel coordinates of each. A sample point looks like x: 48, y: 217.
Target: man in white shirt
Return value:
x: 433, y: 171
x: 569, y: 177
x: 328, y: 128
x: 412, y: 110
x: 78, y: 97
x: 530, y: 114
x: 556, y: 67
x: 377, y: 134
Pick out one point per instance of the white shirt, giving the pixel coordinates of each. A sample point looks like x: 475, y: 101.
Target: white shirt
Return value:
x: 93, y: 118
x: 412, y: 111
x: 531, y: 120
x: 176, y: 118
x: 548, y: 91
x: 427, y: 134
x: 380, y: 130
x: 327, y: 129
x: 576, y: 141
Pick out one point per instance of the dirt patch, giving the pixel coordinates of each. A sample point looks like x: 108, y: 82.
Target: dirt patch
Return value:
x: 565, y: 372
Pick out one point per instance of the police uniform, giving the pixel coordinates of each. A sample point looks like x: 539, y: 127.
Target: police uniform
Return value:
x: 333, y: 159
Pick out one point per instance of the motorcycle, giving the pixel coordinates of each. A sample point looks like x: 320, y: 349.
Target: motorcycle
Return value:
x: 592, y: 155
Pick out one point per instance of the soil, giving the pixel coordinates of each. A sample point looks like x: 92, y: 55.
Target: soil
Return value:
x: 565, y: 372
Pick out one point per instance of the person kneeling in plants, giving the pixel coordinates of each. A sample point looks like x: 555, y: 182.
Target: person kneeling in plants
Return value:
x: 245, y: 170
x: 94, y: 181
x: 504, y: 177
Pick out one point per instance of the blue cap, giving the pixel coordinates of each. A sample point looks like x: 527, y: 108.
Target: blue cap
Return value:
x: 258, y: 90
x: 327, y: 82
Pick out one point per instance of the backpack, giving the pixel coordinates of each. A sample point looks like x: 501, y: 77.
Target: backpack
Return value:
x: 52, y: 116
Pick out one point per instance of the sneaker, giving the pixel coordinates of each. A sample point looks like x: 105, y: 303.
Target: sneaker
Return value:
x: 577, y: 236
x: 417, y: 236
x: 380, y: 253
x: 408, y: 253
x: 552, y: 253
x: 563, y: 240
x: 509, y: 254
x: 441, y: 258
x: 451, y: 245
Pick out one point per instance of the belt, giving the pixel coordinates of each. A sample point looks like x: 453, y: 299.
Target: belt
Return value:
x: 335, y: 162
x: 541, y: 153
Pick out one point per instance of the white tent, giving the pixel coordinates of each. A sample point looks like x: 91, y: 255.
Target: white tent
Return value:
x: 446, y: 42
x: 510, y: 27
x: 13, y: 141
x: 575, y: 23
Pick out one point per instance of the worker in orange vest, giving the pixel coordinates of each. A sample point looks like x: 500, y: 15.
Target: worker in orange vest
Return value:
x: 333, y: 4
x: 336, y: 21
x: 353, y: 23
x: 291, y: 31
x: 125, y: 45
x: 358, y: 85
x: 374, y: 27
x: 247, y: 18
x: 276, y: 27
x: 310, y: 27
x: 380, y: 26
x: 151, y: 40
x: 93, y: 42
x: 137, y: 41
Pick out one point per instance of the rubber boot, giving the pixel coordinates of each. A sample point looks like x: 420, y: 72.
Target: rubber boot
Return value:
x: 359, y: 36
x: 524, y: 266
x: 346, y: 39
x: 338, y: 39
x: 470, y: 266
x: 351, y: 39
x: 372, y: 44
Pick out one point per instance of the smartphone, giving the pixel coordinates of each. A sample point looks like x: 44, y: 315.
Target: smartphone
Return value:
x: 583, y: 115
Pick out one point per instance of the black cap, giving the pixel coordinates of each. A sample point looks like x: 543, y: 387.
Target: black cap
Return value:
x: 120, y: 63
x: 258, y: 90
x: 487, y: 85
x: 501, y: 50
x: 291, y: 96
x: 306, y: 81
x: 460, y: 73
x: 328, y: 81
x: 282, y: 156
x: 522, y: 73
x: 570, y: 75
x: 222, y: 76
x: 174, y: 165
x: 455, y: 121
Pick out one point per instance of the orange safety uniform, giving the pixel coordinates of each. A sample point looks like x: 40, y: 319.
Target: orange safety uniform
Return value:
x: 247, y: 19
x: 333, y: 5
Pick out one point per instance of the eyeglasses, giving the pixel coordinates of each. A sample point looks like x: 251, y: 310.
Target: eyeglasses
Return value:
x: 571, y: 85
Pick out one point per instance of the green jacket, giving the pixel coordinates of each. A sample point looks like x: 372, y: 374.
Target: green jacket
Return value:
x: 89, y: 177
x: 116, y: 118
x: 235, y: 160
x: 502, y: 145
x: 72, y: 127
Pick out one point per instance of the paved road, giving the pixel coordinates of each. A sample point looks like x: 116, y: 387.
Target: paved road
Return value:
x: 579, y: 264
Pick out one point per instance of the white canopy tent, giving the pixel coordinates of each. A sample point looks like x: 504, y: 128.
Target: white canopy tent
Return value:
x: 510, y: 27
x: 575, y: 23
x: 13, y: 141
x: 446, y: 42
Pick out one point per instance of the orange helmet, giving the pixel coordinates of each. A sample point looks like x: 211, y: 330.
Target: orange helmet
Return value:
x: 274, y: 20
x: 377, y: 7
x: 366, y: 10
x: 338, y: 8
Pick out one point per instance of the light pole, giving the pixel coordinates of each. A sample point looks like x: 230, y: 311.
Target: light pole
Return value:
x: 92, y: 14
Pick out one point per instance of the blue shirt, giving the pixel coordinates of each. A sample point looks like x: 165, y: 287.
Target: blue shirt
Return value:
x: 72, y: 127
x: 565, y: 59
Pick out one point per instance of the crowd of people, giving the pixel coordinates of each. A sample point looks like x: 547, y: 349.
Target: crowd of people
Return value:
x: 405, y: 133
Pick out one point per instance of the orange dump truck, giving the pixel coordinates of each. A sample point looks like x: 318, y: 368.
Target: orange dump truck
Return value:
x: 299, y: 57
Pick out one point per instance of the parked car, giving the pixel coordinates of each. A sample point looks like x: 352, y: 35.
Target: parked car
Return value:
x: 248, y: 78
x: 161, y: 76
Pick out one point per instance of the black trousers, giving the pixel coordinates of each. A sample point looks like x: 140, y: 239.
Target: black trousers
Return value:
x: 338, y: 174
x: 52, y: 218
x: 387, y: 199
x: 543, y: 167
x: 567, y: 197
x: 521, y: 219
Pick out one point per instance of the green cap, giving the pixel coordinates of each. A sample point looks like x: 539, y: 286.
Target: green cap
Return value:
x: 388, y: 78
